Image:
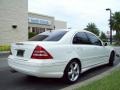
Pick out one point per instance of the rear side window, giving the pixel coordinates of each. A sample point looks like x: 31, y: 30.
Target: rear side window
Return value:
x: 80, y: 38
x: 93, y: 39
x: 49, y: 36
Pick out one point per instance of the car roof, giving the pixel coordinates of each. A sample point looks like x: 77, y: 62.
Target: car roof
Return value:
x: 68, y: 30
x: 76, y: 30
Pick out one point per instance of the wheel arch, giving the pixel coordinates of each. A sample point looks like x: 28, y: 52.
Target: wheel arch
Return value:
x: 112, y: 51
x: 74, y: 59
x: 111, y: 58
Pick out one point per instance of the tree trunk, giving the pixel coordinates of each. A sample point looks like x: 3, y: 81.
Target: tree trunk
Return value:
x: 118, y: 36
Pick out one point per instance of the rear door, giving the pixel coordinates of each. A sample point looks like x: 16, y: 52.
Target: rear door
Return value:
x: 84, y: 49
x: 99, y: 50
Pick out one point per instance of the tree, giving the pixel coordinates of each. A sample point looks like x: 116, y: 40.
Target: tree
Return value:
x: 31, y: 34
x: 103, y: 37
x: 92, y: 28
x: 115, y: 24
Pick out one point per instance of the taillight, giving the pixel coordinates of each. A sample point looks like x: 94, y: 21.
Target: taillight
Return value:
x: 40, y: 53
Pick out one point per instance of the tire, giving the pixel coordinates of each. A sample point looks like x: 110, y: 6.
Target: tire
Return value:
x: 111, y: 59
x: 72, y: 72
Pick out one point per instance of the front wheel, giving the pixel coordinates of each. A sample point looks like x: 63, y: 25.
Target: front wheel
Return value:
x: 72, y: 72
x: 111, y: 59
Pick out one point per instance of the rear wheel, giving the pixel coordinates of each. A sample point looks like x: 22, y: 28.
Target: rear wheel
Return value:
x: 72, y: 72
x: 111, y: 59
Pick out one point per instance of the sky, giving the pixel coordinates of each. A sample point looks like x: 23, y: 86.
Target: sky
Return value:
x: 77, y: 13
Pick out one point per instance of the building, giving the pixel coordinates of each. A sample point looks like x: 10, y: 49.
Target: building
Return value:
x: 60, y: 24
x: 39, y: 23
x: 13, y: 21
x: 16, y: 22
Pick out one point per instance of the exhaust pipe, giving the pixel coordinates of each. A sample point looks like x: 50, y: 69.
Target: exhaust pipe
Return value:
x: 13, y: 71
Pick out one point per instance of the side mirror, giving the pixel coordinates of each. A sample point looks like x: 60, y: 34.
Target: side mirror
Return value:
x: 105, y: 44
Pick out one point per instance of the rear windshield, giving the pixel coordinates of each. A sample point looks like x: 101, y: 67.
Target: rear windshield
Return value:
x: 49, y: 36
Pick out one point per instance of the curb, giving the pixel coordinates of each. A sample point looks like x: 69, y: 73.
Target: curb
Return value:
x: 86, y: 82
x: 4, y: 52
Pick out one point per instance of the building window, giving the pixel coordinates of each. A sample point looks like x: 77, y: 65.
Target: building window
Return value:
x: 38, y: 30
x: 33, y: 29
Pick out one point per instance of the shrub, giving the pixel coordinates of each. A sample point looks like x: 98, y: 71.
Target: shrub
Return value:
x: 4, y: 47
x: 31, y: 34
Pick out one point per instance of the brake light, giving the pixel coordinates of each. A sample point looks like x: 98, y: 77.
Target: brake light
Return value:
x: 40, y: 53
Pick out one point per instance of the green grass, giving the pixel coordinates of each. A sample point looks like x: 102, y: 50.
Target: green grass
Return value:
x: 116, y: 44
x: 4, y: 47
x: 110, y: 82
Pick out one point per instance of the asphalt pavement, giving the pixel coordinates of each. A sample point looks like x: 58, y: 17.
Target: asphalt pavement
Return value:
x: 19, y: 81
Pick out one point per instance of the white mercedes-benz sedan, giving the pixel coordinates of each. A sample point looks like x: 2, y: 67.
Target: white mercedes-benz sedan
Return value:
x: 60, y: 54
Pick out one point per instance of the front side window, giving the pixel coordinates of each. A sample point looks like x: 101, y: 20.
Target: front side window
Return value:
x: 93, y: 39
x: 80, y: 38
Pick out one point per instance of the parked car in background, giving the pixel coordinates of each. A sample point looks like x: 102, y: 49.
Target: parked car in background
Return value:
x: 60, y: 54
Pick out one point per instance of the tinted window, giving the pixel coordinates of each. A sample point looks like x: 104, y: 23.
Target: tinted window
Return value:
x: 38, y: 38
x: 49, y: 36
x: 93, y: 39
x: 80, y: 38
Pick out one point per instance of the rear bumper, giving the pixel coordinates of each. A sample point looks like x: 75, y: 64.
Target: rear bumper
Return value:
x: 37, y: 68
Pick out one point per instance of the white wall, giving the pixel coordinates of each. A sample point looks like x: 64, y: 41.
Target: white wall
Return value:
x: 60, y: 24
x: 40, y: 16
x: 13, y: 12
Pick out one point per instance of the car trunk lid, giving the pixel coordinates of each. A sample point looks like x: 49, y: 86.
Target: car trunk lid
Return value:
x: 25, y: 49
